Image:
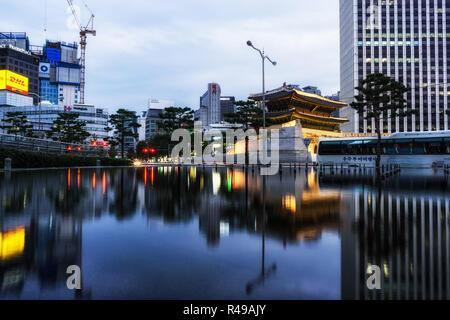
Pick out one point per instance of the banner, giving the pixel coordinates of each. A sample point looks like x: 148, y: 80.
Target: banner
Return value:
x: 13, y: 82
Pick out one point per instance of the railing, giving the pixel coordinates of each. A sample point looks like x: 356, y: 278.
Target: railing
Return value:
x: 49, y: 146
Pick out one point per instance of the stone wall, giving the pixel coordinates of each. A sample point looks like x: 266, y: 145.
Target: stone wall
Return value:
x: 291, y: 147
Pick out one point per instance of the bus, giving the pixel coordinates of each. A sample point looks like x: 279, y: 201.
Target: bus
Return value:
x: 407, y: 149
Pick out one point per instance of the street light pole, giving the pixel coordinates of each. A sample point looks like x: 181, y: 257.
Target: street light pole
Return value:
x: 263, y: 58
x: 263, y: 238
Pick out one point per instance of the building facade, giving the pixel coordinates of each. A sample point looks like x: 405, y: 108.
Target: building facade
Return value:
x: 12, y: 99
x: 42, y: 117
x: 59, y: 73
x: 23, y: 63
x: 406, y: 40
x: 16, y: 39
x: 211, y: 101
x: 155, y: 109
x: 286, y: 105
x: 227, y: 106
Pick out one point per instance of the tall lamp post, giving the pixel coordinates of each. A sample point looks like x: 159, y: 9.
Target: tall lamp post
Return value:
x: 263, y: 58
x: 40, y: 103
x: 264, y: 272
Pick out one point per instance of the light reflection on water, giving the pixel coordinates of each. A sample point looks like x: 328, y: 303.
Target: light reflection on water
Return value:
x: 200, y: 233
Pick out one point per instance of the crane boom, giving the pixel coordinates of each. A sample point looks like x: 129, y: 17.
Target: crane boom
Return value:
x: 84, y: 32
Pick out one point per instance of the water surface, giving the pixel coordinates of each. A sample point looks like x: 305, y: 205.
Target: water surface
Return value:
x: 203, y: 233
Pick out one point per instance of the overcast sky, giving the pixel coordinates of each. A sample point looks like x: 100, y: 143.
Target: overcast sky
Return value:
x: 171, y: 49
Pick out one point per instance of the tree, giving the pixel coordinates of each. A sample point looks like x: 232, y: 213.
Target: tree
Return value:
x: 250, y: 115
x: 67, y: 128
x: 124, y: 124
x: 378, y: 97
x: 175, y: 118
x: 18, y: 125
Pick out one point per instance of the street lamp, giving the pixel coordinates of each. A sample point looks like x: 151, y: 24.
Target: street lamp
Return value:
x: 40, y: 103
x: 263, y: 57
x: 263, y: 238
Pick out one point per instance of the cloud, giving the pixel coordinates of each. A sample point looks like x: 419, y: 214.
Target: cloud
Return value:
x: 172, y: 49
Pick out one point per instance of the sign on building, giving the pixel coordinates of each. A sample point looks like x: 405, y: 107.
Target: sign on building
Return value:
x: 44, y: 70
x: 13, y: 82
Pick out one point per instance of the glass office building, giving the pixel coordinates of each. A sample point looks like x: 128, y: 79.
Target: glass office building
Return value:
x: 406, y: 40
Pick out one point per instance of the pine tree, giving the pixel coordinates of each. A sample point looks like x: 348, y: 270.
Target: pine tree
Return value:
x: 67, y: 128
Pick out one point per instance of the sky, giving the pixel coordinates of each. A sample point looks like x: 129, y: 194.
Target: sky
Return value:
x: 171, y: 49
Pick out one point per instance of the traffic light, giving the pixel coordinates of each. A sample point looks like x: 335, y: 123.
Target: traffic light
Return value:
x: 145, y: 150
x: 152, y: 150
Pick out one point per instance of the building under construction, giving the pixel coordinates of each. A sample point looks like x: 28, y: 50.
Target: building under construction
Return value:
x: 59, y: 73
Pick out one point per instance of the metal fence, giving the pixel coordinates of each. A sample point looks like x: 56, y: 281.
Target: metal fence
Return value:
x: 49, y: 146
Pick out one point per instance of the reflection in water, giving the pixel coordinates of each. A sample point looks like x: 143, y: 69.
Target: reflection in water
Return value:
x: 402, y: 226
x: 218, y: 231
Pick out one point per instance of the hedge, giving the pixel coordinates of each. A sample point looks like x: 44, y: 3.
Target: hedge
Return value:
x: 23, y: 159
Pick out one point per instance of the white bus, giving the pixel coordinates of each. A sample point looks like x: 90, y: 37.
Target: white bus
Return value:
x: 408, y: 149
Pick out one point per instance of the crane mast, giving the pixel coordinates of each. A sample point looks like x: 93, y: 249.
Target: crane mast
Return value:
x: 84, y: 32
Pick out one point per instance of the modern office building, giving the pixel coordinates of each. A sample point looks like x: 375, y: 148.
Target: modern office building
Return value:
x: 406, y: 40
x: 227, y: 106
x: 11, y: 99
x: 201, y: 115
x: 142, y: 121
x: 155, y: 109
x: 42, y: 117
x: 23, y: 63
x: 211, y: 105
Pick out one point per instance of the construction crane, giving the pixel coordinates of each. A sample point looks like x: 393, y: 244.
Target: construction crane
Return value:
x: 84, y: 31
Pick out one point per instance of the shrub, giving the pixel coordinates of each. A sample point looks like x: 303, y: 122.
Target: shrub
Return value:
x: 23, y: 159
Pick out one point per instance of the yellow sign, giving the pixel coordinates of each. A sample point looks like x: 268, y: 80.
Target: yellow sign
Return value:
x: 12, y: 243
x: 13, y: 82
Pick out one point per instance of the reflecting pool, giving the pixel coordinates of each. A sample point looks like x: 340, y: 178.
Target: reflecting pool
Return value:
x: 207, y: 233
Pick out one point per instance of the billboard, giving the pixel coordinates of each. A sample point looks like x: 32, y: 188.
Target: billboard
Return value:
x: 44, y: 70
x: 13, y: 82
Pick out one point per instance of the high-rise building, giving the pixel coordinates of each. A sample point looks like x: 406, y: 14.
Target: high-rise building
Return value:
x: 142, y: 121
x: 211, y: 101
x: 155, y: 109
x: 24, y: 64
x: 406, y: 40
x: 59, y: 73
x: 226, y: 107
